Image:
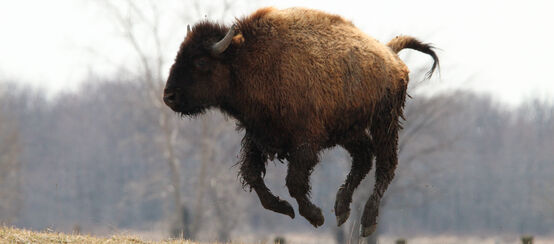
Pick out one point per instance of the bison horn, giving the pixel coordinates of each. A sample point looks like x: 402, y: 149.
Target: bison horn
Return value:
x: 222, y: 45
x: 188, y: 30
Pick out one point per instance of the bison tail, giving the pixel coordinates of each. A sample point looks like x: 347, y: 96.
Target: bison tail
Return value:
x: 401, y: 42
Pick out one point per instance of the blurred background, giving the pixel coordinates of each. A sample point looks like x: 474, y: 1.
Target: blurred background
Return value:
x: 87, y: 146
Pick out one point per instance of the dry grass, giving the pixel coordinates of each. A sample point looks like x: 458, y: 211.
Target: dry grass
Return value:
x: 448, y: 239
x: 13, y: 235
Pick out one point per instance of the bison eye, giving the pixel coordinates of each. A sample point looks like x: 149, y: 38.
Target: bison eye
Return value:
x: 201, y: 64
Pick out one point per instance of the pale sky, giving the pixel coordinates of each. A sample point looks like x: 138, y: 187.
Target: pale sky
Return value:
x: 503, y: 48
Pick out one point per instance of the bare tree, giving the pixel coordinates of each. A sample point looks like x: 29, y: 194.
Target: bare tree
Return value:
x: 150, y: 74
x: 10, y: 167
x: 141, y: 26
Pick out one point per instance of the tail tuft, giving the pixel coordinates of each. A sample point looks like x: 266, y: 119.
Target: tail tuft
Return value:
x: 401, y: 42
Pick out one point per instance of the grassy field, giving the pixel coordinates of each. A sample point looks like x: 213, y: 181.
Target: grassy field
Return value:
x: 16, y: 235
x: 13, y: 235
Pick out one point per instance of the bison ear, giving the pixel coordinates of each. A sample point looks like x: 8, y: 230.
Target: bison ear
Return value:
x: 238, y: 40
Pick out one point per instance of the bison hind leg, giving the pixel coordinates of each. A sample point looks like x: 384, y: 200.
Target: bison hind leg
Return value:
x: 384, y: 132
x: 360, y: 149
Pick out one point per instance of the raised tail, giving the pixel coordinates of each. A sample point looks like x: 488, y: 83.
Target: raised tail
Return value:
x: 401, y: 42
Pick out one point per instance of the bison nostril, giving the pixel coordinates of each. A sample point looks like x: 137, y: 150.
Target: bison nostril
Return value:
x: 169, y: 98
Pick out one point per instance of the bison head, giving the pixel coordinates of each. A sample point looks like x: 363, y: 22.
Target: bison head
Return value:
x: 201, y: 74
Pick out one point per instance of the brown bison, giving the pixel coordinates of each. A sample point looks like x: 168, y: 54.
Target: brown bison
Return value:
x: 299, y: 81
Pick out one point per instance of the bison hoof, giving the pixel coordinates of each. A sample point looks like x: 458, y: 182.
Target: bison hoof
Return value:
x: 342, y: 208
x: 366, y: 231
x: 283, y: 207
x: 313, y: 215
x: 369, y: 218
x: 286, y: 208
x: 341, y: 218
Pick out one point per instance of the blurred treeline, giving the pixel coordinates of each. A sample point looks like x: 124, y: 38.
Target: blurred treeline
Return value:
x: 95, y: 159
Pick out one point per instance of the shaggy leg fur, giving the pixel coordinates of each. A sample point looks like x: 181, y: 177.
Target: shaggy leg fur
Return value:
x: 301, y: 164
x: 251, y: 170
x: 385, y: 138
x: 361, y: 151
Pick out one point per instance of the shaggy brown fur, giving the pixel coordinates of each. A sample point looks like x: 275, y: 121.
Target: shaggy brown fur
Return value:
x: 299, y: 81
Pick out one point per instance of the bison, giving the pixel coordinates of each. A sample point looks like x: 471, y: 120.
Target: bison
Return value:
x: 299, y: 81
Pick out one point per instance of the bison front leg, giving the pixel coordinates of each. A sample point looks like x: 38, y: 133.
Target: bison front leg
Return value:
x: 360, y: 150
x: 301, y: 164
x: 251, y: 170
x: 385, y: 138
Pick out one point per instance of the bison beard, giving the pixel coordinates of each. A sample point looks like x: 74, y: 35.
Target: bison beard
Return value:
x: 299, y: 81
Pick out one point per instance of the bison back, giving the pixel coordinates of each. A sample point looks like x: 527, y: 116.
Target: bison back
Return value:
x: 316, y: 70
